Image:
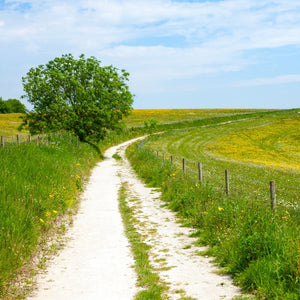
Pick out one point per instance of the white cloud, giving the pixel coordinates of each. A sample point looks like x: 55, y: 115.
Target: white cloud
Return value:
x: 283, y: 79
x: 252, y: 24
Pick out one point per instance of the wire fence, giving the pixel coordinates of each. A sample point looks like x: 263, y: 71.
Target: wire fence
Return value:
x: 22, y: 139
x: 236, y: 183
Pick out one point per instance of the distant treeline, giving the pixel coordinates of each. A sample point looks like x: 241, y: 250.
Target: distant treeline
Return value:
x: 11, y: 106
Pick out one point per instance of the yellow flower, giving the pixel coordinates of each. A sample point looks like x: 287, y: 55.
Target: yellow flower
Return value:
x: 78, y: 164
x: 54, y: 211
x: 42, y: 221
x: 48, y: 213
x: 220, y: 208
x: 50, y: 196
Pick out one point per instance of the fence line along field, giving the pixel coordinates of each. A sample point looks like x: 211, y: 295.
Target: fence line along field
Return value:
x: 255, y: 151
x: 258, y: 245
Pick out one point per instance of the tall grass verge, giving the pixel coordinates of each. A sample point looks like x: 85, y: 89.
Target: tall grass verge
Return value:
x: 259, y: 247
x: 38, y: 184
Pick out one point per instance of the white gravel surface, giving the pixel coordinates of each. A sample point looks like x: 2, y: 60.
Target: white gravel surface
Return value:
x: 97, y: 262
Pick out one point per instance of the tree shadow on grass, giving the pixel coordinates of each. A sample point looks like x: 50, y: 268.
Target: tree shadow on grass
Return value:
x: 96, y: 147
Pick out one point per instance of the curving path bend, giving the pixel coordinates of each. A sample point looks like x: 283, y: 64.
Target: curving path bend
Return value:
x: 97, y: 262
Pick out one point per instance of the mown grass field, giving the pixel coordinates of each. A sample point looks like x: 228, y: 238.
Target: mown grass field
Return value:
x: 260, y: 247
x: 139, y: 116
x: 254, y: 150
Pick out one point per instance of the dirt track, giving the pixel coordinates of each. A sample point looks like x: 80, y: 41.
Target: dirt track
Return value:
x: 97, y: 262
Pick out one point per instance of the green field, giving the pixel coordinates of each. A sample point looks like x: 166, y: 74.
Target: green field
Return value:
x: 259, y: 246
x: 39, y: 184
x: 254, y: 151
x: 166, y: 116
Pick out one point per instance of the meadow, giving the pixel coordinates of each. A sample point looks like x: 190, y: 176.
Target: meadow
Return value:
x: 40, y: 184
x: 9, y: 124
x: 260, y: 247
x: 254, y: 151
x: 166, y: 116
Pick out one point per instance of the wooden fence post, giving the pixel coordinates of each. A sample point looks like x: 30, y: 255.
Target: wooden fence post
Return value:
x: 200, y: 171
x: 2, y: 141
x: 227, y: 182
x: 18, y: 139
x: 273, y: 195
x: 38, y: 140
x: 183, y: 165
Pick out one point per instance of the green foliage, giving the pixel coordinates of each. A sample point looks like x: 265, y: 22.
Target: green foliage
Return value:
x: 15, y: 106
x: 38, y: 184
x: 150, y: 125
x: 11, y: 106
x: 77, y: 95
x: 259, y: 247
x: 3, y: 107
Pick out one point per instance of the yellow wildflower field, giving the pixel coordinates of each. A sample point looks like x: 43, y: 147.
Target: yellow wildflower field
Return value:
x: 9, y: 124
x: 254, y: 150
x: 139, y: 116
x: 274, y: 145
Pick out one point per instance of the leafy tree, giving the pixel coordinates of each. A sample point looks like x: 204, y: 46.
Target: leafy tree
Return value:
x: 77, y: 95
x: 11, y: 106
x: 3, y: 107
x: 15, y: 106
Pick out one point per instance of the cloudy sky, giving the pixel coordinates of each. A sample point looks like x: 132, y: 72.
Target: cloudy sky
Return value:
x: 179, y: 53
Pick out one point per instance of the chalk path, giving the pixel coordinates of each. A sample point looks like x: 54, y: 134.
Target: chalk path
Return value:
x: 97, y: 262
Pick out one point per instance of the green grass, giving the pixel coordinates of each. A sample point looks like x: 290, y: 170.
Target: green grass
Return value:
x: 247, y: 177
x: 38, y: 185
x: 148, y: 280
x: 166, y: 116
x: 259, y: 247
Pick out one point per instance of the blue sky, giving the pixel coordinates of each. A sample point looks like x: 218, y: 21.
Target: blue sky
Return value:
x: 180, y: 54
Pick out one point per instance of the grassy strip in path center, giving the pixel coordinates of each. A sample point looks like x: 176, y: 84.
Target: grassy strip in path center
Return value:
x: 147, y: 279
